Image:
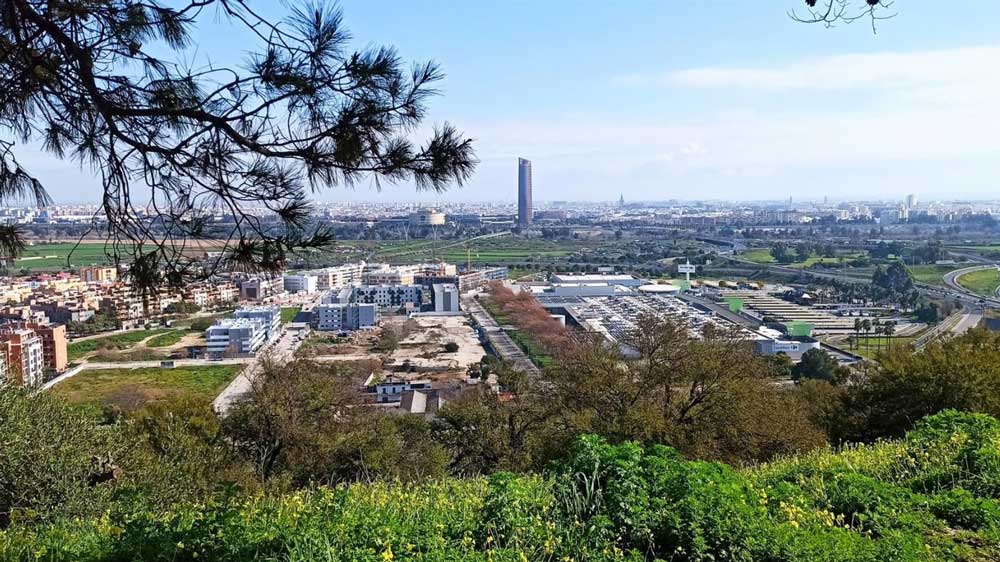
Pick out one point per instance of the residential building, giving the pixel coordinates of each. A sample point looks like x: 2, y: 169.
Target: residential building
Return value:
x: 391, y: 389
x: 525, y: 214
x: 389, y: 297
x: 301, y: 283
x: 339, y: 276
x: 269, y: 317
x: 390, y: 275
x: 466, y: 281
x: 445, y: 297
x: 24, y: 356
x: 259, y: 288
x: 54, y: 344
x: 342, y: 317
x: 235, y: 337
x: 99, y: 274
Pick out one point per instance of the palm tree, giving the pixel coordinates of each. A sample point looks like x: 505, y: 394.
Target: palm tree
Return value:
x: 866, y: 326
x: 890, y: 330
x: 877, y: 330
x: 857, y: 331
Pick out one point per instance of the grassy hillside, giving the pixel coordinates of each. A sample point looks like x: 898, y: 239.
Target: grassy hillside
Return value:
x: 930, y: 496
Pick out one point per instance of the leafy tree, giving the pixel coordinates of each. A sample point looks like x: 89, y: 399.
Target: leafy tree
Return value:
x: 47, y: 458
x: 817, y: 364
x: 782, y: 364
x: 105, y: 84
x: 701, y: 395
x: 927, y: 312
x: 780, y: 253
x: 181, y: 307
x: 962, y: 373
x: 803, y: 252
x: 484, y: 432
x: 388, y: 340
x: 300, y: 421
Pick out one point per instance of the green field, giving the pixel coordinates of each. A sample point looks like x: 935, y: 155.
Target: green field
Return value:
x: 79, y: 349
x: 763, y: 256
x: 53, y: 257
x: 138, y: 387
x: 983, y: 282
x: 758, y: 255
x: 869, y: 346
x: 289, y: 313
x: 931, y: 274
x: 166, y: 340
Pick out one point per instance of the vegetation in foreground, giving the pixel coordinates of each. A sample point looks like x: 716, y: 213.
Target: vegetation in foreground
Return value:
x: 571, y: 465
x: 929, y: 496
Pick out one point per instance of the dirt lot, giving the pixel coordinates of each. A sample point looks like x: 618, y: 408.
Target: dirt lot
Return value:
x: 423, y: 347
x: 420, y: 352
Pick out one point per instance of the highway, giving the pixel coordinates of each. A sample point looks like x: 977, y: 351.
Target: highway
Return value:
x: 953, y: 290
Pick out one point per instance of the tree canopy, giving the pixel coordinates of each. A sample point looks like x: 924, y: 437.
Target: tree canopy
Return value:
x: 104, y: 83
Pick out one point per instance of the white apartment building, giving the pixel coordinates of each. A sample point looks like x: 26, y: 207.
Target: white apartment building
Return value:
x: 235, y: 337
x: 269, y: 317
x: 345, y: 317
x: 301, y: 283
x: 445, y: 297
x: 339, y: 276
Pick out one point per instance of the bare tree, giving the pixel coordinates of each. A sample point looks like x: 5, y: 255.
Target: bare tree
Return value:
x: 831, y: 12
x: 172, y: 143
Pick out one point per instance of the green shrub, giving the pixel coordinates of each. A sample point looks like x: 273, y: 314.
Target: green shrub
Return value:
x: 924, y: 498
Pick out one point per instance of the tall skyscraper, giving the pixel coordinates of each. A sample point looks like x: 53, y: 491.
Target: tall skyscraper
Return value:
x: 911, y: 201
x: 525, y: 214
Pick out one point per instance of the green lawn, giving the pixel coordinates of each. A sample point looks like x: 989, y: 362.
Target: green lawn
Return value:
x: 983, y: 282
x: 288, y: 314
x: 77, y: 350
x: 133, y: 388
x: 166, y: 340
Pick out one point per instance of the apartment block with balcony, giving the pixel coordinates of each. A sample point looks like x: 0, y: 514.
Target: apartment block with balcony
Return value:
x: 269, y: 317
x: 24, y: 356
x: 235, y: 337
x: 344, y: 317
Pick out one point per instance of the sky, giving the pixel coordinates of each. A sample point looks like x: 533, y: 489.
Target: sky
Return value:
x: 682, y: 99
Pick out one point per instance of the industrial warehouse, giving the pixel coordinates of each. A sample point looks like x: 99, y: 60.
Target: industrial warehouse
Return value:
x: 613, y: 306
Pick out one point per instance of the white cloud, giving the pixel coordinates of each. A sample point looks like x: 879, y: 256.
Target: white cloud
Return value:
x: 863, y: 71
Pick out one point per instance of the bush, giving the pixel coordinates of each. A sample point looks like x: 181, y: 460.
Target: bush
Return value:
x: 924, y: 498
x: 451, y: 347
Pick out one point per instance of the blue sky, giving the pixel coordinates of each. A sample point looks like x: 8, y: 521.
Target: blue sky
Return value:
x: 709, y: 99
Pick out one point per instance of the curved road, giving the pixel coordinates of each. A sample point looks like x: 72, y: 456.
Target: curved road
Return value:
x: 951, y: 279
